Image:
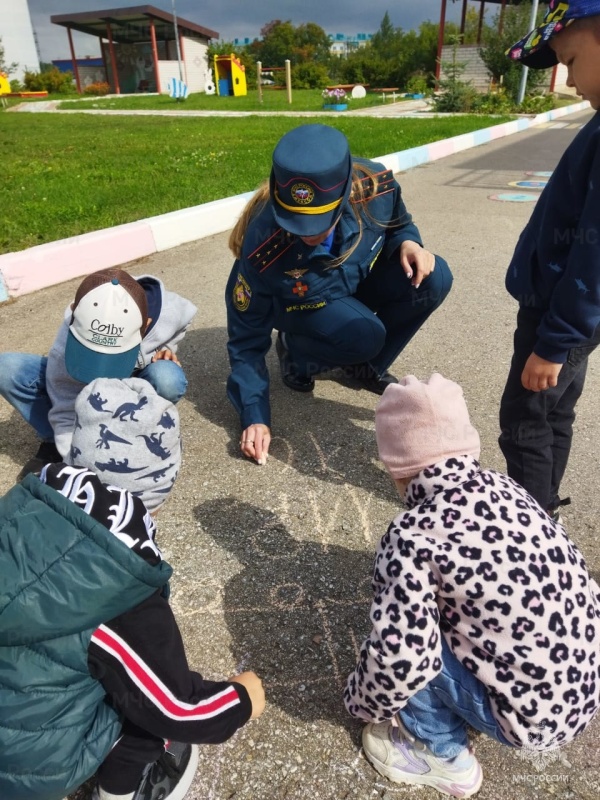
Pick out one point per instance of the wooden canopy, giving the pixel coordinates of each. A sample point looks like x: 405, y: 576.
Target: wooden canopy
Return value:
x: 130, y: 25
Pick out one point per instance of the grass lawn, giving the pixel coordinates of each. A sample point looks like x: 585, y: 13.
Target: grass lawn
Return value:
x: 67, y: 174
x: 273, y: 100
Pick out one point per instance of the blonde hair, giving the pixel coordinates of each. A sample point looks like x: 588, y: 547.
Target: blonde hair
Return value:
x: 365, y: 182
x: 252, y: 209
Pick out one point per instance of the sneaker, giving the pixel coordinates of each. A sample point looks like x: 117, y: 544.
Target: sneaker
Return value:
x: 403, y: 759
x: 299, y: 383
x: 369, y: 379
x: 554, y: 513
x: 46, y: 454
x: 168, y: 778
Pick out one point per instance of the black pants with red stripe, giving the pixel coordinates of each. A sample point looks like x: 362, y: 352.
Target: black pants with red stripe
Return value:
x: 121, y: 770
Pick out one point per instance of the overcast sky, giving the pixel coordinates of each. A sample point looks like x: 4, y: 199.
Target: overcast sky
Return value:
x: 240, y: 18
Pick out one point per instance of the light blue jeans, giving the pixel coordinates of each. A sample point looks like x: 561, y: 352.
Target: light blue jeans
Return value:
x: 438, y: 714
x: 23, y: 385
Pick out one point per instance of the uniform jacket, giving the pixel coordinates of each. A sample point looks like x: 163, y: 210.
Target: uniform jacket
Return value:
x: 167, y: 330
x: 278, y: 274
x: 84, y: 619
x: 555, y: 269
x: 476, y: 560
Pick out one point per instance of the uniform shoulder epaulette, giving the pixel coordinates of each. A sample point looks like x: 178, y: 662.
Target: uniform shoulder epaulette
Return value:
x: 271, y: 249
x: 373, y: 186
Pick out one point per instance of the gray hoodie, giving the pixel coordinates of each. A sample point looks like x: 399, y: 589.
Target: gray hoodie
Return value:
x: 167, y: 331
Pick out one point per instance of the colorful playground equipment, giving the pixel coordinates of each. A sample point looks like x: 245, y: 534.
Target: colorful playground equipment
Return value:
x: 230, y: 76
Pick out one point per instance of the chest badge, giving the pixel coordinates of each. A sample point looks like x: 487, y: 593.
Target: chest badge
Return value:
x: 296, y: 274
x: 300, y: 289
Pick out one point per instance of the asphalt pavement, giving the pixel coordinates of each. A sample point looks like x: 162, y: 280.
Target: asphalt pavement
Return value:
x: 272, y: 564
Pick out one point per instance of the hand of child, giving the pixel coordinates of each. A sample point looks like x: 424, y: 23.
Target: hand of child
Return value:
x: 539, y: 374
x: 165, y: 355
x: 253, y: 685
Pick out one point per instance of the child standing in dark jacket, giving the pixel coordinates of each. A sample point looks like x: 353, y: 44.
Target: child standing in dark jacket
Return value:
x: 93, y: 671
x: 484, y: 612
x: 555, y: 271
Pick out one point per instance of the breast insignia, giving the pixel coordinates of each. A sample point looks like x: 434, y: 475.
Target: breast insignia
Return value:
x: 296, y: 274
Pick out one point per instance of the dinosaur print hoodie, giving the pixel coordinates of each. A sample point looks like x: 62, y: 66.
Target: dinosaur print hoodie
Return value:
x: 477, y: 561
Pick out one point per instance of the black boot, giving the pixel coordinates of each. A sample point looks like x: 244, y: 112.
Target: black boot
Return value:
x: 299, y: 383
x: 369, y: 379
x: 46, y: 454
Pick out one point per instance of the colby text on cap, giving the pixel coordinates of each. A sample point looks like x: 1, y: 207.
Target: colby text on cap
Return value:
x: 109, y: 316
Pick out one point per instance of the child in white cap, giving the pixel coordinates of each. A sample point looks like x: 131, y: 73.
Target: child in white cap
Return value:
x: 484, y: 612
x: 117, y: 326
x: 93, y: 671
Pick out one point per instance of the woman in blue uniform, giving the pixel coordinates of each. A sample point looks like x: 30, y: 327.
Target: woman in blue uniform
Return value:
x: 326, y: 254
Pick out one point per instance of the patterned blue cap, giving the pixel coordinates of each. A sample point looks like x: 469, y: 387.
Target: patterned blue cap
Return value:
x: 533, y: 50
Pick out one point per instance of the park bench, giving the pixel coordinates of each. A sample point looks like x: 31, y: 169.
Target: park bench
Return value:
x: 347, y: 87
x: 384, y: 91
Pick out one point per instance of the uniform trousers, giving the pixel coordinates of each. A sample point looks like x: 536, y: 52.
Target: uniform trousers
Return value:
x: 372, y: 326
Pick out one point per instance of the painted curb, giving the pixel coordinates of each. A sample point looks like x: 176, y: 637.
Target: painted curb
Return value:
x: 48, y: 264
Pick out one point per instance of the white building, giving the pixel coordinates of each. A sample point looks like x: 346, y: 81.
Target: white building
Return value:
x: 341, y: 45
x: 18, y: 41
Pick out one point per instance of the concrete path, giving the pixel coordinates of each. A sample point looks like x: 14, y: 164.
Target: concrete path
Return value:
x: 272, y: 564
x: 391, y: 109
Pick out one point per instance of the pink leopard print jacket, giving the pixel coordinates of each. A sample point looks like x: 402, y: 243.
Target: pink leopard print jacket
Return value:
x: 477, y: 561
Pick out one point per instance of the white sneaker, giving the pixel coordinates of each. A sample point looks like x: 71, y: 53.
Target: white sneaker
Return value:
x: 403, y: 759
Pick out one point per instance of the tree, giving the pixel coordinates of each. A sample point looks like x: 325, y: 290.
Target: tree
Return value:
x: 393, y: 56
x: 504, y: 70
x: 312, y: 44
x: 277, y: 45
x: 457, y: 95
x: 386, y: 40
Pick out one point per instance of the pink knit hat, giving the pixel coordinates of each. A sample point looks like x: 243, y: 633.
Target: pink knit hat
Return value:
x: 419, y: 423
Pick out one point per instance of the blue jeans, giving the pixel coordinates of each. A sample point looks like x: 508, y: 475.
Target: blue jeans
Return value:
x: 438, y: 714
x: 23, y: 385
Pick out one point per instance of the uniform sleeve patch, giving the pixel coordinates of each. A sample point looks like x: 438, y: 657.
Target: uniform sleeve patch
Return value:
x: 242, y: 294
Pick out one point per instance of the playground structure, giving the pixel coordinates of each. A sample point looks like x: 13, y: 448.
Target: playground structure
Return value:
x: 266, y: 73
x: 4, y: 88
x: 142, y: 48
x: 230, y: 76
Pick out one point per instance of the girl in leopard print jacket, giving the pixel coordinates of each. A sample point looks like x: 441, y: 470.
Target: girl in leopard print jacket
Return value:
x: 475, y: 571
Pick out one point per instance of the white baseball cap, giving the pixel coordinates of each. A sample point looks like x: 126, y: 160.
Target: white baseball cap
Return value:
x: 110, y: 313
